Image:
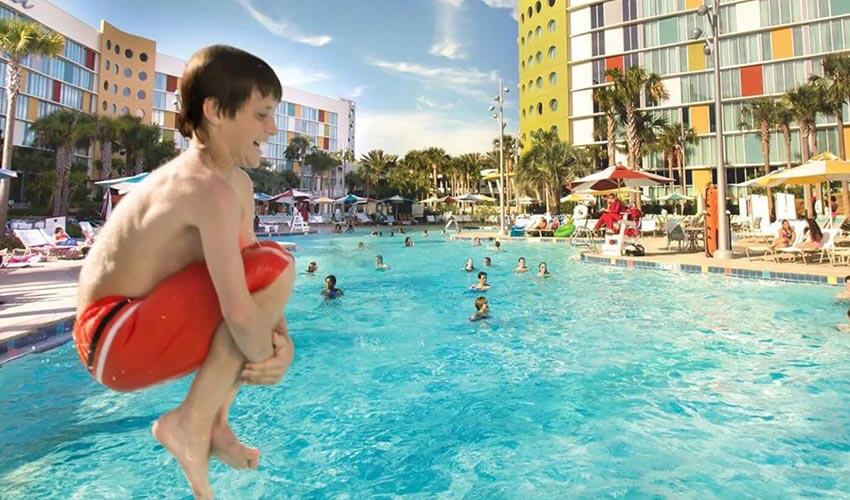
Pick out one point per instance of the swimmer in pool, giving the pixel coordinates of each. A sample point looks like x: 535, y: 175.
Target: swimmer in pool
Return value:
x: 482, y: 309
x: 844, y: 294
x: 312, y: 267
x: 331, y: 291
x: 543, y: 271
x: 520, y: 266
x: 361, y: 245
x: 487, y: 262
x: 379, y: 263
x: 482, y: 285
x: 469, y: 266
x: 476, y: 242
x: 408, y: 242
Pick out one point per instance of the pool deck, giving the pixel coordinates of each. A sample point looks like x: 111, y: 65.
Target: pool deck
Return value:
x: 40, y: 302
x: 658, y: 257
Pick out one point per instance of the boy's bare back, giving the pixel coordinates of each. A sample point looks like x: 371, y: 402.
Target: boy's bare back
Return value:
x: 153, y: 232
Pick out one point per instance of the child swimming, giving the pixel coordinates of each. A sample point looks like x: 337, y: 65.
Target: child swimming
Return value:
x: 408, y: 242
x: 482, y: 284
x: 543, y: 271
x: 520, y: 265
x: 331, y: 291
x: 469, y: 266
x: 312, y: 267
x: 379, y: 263
x: 487, y: 262
x: 482, y: 309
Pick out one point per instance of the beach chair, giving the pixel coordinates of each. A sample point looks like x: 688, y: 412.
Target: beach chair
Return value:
x: 362, y: 218
x: 389, y: 220
x: 38, y: 242
x: 648, y: 225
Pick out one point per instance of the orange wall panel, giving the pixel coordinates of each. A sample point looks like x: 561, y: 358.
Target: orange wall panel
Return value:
x: 752, y: 81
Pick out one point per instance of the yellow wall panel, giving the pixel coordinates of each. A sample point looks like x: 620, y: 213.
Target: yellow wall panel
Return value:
x: 701, y: 178
x: 847, y: 139
x: 781, y: 42
x: 32, y: 107
x: 700, y: 119
x: 693, y: 4
x: 696, y: 57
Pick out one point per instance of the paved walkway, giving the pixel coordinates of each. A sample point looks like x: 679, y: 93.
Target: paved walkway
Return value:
x: 37, y: 296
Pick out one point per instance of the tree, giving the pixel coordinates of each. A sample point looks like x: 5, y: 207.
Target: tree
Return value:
x: 437, y: 159
x: 19, y: 39
x: 784, y: 119
x: 373, y: 166
x: 105, y: 133
x: 629, y: 89
x: 666, y: 144
x: 409, y: 176
x: 137, y: 140
x: 836, y: 67
x: 763, y: 114
x: 606, y: 99
x: 549, y: 164
x: 343, y: 158
x: 805, y: 103
x: 320, y: 162
x: 296, y: 151
x: 63, y: 131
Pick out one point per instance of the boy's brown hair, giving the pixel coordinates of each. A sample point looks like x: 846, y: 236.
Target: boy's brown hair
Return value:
x: 479, y: 303
x: 227, y: 74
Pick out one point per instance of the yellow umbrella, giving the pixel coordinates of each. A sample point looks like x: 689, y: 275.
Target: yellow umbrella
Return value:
x: 768, y: 180
x: 578, y: 197
x: 495, y: 176
x: 824, y: 167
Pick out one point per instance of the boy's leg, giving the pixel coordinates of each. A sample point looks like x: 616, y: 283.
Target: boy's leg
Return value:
x: 186, y: 431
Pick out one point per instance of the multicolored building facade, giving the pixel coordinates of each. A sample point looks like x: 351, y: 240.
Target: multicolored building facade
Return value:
x: 767, y: 47
x: 110, y: 72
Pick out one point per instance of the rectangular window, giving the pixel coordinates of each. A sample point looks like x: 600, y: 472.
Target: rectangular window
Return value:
x: 39, y: 86
x: 596, y: 17
x: 598, y: 71
x: 72, y: 97
x: 159, y: 99
x: 22, y: 106
x: 630, y: 38
x: 160, y: 81
x: 668, y: 31
x: 629, y: 10
x: 597, y: 43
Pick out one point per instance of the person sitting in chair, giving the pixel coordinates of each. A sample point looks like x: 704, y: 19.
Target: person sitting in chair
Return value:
x: 611, y: 216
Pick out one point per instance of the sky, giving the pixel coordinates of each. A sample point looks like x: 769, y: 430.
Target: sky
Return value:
x: 423, y: 72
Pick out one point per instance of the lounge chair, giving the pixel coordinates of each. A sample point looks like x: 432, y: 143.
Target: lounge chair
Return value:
x: 389, y: 220
x: 38, y: 242
x: 362, y: 218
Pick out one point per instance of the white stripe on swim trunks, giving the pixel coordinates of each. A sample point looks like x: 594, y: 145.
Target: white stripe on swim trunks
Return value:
x: 110, y: 336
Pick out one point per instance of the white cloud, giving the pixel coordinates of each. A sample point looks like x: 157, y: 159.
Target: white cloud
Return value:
x: 283, y: 29
x: 425, y: 104
x: 296, y: 76
x: 355, y: 92
x: 503, y: 4
x: 463, y: 81
x: 399, y: 132
x: 445, y: 31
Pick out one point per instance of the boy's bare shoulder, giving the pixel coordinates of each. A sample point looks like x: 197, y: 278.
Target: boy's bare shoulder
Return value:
x: 198, y: 188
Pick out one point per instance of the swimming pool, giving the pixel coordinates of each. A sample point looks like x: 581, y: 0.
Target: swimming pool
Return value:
x: 595, y: 382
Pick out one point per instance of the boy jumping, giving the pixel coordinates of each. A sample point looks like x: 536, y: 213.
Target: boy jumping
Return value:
x: 177, y: 281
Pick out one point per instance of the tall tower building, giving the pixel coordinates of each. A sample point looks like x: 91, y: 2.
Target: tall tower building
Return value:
x: 543, y: 77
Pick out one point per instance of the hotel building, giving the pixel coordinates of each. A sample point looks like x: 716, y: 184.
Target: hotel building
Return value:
x: 110, y: 72
x: 767, y: 47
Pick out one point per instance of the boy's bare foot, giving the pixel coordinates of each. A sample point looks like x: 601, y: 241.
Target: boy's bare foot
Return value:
x: 189, y: 447
x: 227, y: 448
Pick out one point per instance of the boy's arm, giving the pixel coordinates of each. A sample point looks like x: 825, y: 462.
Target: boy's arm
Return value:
x: 219, y: 223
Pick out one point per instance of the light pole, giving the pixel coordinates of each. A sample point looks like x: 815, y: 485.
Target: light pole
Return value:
x: 712, y: 47
x: 500, y: 117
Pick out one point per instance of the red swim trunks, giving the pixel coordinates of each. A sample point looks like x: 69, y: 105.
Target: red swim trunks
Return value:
x: 132, y: 343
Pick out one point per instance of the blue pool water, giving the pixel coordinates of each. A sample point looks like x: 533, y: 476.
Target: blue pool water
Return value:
x: 595, y: 382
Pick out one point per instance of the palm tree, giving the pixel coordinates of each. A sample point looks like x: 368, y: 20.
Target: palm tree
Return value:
x: 343, y: 156
x: 805, y: 103
x: 469, y: 167
x: 763, y: 116
x: 606, y: 100
x: 105, y: 133
x: 437, y: 159
x: 630, y: 88
x: 63, y: 131
x: 320, y: 162
x: 548, y: 164
x: 19, y: 39
x: 666, y: 144
x: 418, y: 172
x: 836, y: 67
x: 137, y: 139
x: 373, y: 166
x: 296, y: 151
x: 784, y: 119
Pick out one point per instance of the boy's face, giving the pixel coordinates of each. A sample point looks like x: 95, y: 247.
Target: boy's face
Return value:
x: 249, y: 129
x: 482, y: 279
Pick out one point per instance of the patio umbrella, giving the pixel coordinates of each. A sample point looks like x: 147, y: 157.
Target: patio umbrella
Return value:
x: 293, y: 194
x: 578, y: 197
x: 824, y: 167
x: 494, y: 176
x: 676, y: 196
x: 323, y: 200
x: 617, y: 176
x: 7, y: 174
x: 525, y: 200
x: 262, y: 197
x: 396, y: 199
x: 351, y: 198
x: 132, y: 179
x: 768, y: 180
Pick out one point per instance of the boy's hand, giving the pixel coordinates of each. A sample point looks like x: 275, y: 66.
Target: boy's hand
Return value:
x: 270, y: 371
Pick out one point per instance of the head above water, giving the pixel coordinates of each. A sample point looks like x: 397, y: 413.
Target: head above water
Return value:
x: 330, y: 281
x: 482, y: 274
x: 487, y: 261
x: 379, y: 259
x: 480, y: 302
x: 229, y: 76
